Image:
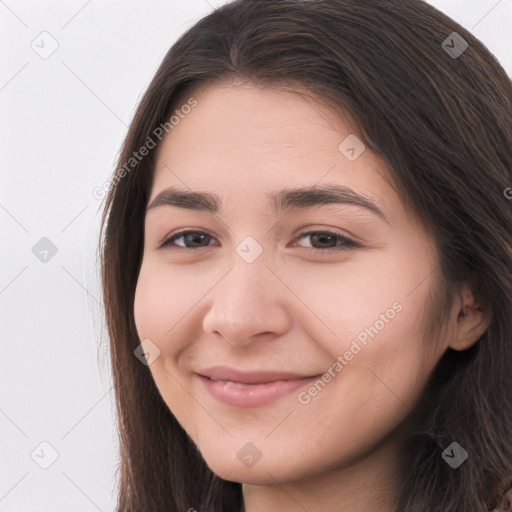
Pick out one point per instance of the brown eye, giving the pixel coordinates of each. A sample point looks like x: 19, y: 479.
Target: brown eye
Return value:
x: 328, y: 241
x: 191, y: 240
x: 321, y: 241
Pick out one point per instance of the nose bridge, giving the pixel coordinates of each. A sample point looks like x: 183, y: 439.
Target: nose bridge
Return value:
x: 248, y: 278
x: 248, y: 300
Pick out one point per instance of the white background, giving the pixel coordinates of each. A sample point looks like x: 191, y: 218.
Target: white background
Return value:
x: 63, y: 121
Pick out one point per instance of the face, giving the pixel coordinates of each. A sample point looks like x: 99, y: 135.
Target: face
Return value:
x: 329, y: 288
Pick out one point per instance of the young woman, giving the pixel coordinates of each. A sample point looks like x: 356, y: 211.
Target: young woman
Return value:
x: 307, y: 266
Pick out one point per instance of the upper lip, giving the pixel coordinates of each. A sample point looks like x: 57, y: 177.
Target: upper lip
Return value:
x: 249, y: 377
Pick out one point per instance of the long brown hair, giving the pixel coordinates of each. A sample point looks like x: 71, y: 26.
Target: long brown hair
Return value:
x: 443, y: 122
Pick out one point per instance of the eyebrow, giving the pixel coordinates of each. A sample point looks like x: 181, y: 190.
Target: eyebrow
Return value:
x: 282, y: 201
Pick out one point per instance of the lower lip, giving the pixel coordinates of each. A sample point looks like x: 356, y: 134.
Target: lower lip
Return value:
x: 253, y: 395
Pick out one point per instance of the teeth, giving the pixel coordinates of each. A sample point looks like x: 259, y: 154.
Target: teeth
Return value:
x: 236, y: 384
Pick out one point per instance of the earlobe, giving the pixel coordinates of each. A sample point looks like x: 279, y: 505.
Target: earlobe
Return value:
x: 471, y: 322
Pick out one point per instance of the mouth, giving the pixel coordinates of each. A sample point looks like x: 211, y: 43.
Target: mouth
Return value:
x: 228, y: 374
x: 243, y: 384
x: 252, y: 394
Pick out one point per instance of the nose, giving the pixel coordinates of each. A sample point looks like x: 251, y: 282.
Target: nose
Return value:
x: 249, y: 302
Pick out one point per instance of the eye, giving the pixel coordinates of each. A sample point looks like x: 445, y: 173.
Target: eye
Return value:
x: 193, y: 237
x: 328, y: 241
x: 334, y: 241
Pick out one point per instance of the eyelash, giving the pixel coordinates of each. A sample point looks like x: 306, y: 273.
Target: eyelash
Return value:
x: 347, y: 243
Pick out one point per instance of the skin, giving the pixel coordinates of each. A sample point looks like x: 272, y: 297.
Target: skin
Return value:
x: 292, y: 308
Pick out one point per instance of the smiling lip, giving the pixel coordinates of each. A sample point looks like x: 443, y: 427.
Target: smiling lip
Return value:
x: 250, y: 389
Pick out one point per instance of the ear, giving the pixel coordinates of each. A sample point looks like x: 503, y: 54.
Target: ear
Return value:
x: 470, y: 320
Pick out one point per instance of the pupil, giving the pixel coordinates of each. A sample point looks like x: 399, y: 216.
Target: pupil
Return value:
x: 191, y: 236
x: 321, y: 236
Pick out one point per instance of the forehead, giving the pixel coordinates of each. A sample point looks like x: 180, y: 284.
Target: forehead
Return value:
x: 244, y: 137
x: 272, y: 115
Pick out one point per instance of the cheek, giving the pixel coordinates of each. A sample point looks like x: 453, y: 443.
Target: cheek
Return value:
x: 393, y: 364
x: 155, y: 304
x: 374, y: 314
x: 167, y: 307
x: 159, y: 304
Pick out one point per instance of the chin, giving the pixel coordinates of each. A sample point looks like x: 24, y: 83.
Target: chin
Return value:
x: 263, y: 472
